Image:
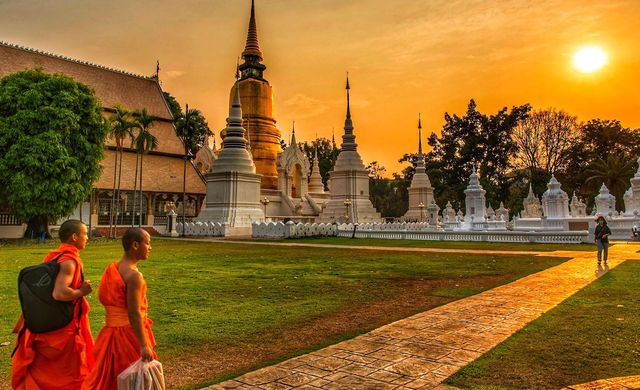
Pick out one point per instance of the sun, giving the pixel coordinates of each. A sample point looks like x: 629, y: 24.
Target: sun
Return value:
x: 590, y: 59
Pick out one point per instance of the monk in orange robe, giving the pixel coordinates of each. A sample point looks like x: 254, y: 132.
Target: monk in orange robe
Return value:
x: 126, y: 336
x: 60, y: 359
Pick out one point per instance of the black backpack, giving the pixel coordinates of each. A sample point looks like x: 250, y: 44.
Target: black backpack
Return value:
x: 40, y: 311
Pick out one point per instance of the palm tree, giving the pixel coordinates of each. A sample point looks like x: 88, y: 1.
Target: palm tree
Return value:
x: 193, y: 131
x: 121, y: 127
x: 144, y: 142
x: 614, y: 172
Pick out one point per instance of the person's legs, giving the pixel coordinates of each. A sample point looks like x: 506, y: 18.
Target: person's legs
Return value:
x: 599, y: 242
x: 605, y: 247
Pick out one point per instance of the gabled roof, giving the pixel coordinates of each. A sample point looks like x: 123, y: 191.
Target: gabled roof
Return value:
x: 111, y: 86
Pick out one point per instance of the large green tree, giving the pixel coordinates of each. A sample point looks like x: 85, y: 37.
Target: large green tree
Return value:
x: 52, y: 136
x: 475, y: 139
x: 600, y: 155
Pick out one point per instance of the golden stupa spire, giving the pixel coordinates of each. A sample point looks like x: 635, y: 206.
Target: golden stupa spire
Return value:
x: 252, y: 48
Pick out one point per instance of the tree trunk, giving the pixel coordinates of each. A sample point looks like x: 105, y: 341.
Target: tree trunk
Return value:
x: 135, y: 187
x: 118, y: 191
x: 37, y: 225
x: 113, y: 198
x: 140, y: 220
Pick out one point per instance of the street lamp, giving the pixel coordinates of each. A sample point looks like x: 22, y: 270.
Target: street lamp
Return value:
x: 347, y: 203
x: 265, y: 202
x: 421, y: 207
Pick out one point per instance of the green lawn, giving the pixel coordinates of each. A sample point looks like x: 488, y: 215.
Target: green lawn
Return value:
x: 212, y: 298
x: 593, y: 335
x: 495, y: 246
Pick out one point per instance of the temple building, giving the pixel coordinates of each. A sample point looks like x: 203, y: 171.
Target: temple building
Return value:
x: 163, y: 168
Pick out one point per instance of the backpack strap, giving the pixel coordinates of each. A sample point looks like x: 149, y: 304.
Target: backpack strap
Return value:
x: 79, y: 303
x: 20, y: 334
x: 79, y: 300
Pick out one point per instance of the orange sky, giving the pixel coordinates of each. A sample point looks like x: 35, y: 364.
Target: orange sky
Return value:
x: 403, y: 57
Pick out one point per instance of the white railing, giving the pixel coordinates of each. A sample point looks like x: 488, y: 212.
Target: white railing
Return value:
x: 383, y: 232
x: 292, y: 230
x: 9, y: 220
x: 208, y: 229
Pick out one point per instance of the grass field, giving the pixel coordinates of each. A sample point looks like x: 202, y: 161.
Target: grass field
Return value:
x: 592, y: 335
x: 494, y: 246
x: 221, y: 309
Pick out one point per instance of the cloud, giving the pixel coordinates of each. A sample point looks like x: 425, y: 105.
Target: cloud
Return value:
x: 172, y: 74
x: 303, y: 106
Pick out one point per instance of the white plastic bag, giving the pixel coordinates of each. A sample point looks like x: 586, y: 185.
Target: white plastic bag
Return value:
x: 142, y: 376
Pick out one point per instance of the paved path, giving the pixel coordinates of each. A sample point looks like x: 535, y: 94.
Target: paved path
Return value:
x: 620, y: 383
x: 423, y: 350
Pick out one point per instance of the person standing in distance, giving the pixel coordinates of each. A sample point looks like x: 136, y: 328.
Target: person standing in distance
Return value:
x: 601, y: 237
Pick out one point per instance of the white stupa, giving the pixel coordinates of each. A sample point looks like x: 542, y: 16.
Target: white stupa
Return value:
x: 578, y: 207
x: 349, y: 182
x: 532, y: 206
x: 605, y: 202
x: 555, y: 202
x: 632, y: 195
x: 233, y: 187
x: 420, y: 191
x: 475, y: 202
x: 315, y: 179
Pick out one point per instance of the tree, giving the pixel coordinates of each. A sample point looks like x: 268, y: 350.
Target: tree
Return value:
x: 376, y: 171
x: 192, y: 129
x: 173, y: 104
x: 598, y: 140
x: 475, y: 139
x: 543, y: 141
x: 198, y: 132
x: 144, y: 142
x: 327, y: 155
x: 614, y: 172
x: 52, y: 136
x: 120, y: 127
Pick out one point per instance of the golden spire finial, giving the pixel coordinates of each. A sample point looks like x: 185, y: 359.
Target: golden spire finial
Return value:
x: 252, y: 48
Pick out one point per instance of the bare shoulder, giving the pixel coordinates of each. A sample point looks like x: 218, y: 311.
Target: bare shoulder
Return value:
x: 67, y: 266
x: 133, y: 278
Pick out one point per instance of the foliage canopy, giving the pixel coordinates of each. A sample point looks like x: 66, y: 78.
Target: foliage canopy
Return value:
x: 52, y: 135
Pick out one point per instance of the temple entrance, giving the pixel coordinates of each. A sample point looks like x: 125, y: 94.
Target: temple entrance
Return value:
x: 296, y: 181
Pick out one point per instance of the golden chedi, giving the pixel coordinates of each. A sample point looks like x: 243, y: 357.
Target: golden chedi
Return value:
x: 256, y: 96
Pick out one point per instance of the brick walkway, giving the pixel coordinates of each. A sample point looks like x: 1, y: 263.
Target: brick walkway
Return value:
x: 423, y: 350
x: 620, y: 383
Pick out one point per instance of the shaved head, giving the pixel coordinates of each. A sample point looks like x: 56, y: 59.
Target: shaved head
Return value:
x: 134, y: 234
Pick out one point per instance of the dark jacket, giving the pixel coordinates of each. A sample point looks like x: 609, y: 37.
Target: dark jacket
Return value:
x: 602, y: 230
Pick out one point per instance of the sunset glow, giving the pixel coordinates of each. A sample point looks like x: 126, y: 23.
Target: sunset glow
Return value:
x: 403, y: 57
x: 590, y: 59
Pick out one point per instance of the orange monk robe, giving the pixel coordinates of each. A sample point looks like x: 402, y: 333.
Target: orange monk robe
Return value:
x: 116, y: 346
x: 61, y: 359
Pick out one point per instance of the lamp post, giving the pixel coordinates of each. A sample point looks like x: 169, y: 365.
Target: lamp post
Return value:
x: 265, y: 202
x: 421, y: 207
x: 347, y: 203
